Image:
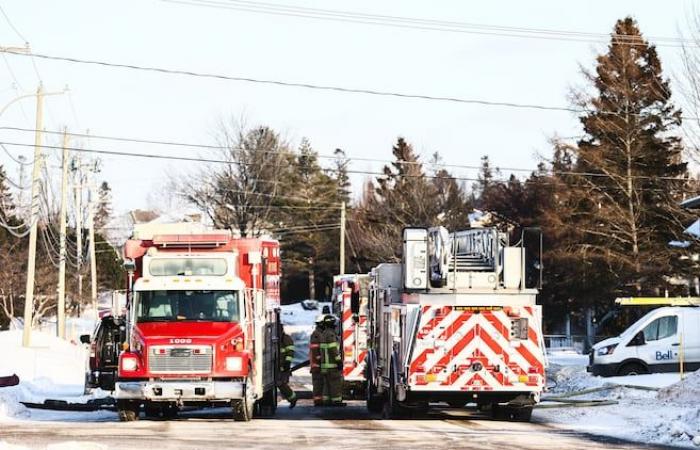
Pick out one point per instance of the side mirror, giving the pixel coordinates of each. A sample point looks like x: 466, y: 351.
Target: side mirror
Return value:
x: 638, y: 339
x: 85, y: 338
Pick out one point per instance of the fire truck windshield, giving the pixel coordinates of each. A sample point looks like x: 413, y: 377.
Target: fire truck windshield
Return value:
x: 174, y: 306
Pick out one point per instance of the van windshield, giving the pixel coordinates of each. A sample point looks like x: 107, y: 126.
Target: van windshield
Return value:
x: 176, y: 306
x: 634, y: 328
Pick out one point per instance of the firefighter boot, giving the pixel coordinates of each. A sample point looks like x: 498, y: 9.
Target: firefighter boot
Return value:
x: 335, y: 385
x: 317, y: 388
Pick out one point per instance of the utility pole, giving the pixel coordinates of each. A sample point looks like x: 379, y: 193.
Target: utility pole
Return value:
x: 61, y: 306
x: 91, y: 237
x: 79, y: 226
x: 342, y: 238
x: 34, y: 218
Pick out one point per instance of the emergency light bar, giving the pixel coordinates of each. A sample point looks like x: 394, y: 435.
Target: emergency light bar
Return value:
x: 191, y: 240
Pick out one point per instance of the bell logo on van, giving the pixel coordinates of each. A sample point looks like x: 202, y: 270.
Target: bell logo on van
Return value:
x: 663, y: 356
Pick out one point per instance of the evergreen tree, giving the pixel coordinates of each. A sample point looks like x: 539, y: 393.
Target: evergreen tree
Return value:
x: 340, y: 173
x: 627, y: 200
x: 104, y: 205
x: 404, y: 196
x: 308, y: 218
x: 7, y: 207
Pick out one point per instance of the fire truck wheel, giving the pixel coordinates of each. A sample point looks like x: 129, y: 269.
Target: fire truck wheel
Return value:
x: 511, y: 413
x: 375, y: 402
x: 392, y: 407
x: 267, y: 405
x: 244, y: 408
x: 128, y: 411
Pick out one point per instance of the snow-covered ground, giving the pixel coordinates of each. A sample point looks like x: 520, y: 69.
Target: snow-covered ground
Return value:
x: 51, y: 368
x: 667, y: 416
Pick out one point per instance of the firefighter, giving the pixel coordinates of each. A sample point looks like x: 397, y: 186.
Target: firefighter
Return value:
x: 286, y: 356
x: 315, y: 361
x: 331, y: 364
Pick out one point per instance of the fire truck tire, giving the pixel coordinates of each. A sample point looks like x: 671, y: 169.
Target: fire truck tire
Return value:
x: 267, y: 406
x: 128, y: 411
x: 392, y: 407
x: 375, y: 402
x: 511, y: 413
x: 244, y: 408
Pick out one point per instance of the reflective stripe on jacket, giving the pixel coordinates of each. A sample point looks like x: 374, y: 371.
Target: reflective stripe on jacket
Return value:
x: 330, y: 350
x: 315, y: 350
x: 287, y: 348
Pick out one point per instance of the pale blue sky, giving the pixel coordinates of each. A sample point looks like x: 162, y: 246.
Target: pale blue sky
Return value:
x: 155, y: 106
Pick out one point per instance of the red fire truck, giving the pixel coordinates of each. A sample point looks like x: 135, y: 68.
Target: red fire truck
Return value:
x: 350, y: 295
x: 201, y: 325
x: 456, y: 322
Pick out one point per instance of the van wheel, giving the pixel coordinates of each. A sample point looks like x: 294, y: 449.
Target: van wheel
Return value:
x: 632, y: 369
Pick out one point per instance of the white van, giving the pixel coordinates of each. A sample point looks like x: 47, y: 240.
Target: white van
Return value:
x: 651, y: 344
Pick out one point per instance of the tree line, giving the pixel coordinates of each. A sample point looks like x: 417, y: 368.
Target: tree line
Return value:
x: 607, y: 203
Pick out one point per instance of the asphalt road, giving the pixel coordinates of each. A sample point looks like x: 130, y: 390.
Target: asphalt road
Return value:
x: 303, y: 427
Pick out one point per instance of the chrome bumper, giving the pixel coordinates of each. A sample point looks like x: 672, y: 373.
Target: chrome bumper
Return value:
x: 179, y: 390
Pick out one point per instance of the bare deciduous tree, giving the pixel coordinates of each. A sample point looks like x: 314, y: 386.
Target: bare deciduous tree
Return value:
x: 239, y: 194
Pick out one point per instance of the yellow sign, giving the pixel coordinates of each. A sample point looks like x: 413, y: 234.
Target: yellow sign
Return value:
x: 654, y: 301
x: 478, y: 308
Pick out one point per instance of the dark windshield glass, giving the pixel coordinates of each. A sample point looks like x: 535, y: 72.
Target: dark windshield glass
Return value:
x: 166, y: 306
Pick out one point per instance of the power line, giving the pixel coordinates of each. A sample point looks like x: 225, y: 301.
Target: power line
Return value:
x: 361, y: 172
x: 427, y: 24
x: 9, y: 22
x: 348, y: 90
x: 321, y: 87
x: 321, y: 156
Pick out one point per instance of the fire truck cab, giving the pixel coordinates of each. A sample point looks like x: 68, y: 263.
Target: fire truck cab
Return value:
x: 455, y: 322
x: 202, y: 324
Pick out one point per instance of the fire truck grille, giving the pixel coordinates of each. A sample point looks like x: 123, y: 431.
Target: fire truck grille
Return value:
x: 180, y: 359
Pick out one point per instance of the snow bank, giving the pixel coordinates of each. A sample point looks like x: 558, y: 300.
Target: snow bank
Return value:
x: 685, y: 392
x: 50, y: 368
x: 669, y: 416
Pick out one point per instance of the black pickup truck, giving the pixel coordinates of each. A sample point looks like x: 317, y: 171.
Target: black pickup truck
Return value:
x: 105, y: 346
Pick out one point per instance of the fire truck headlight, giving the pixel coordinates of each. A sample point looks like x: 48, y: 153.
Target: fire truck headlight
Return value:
x: 129, y: 364
x: 234, y: 363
